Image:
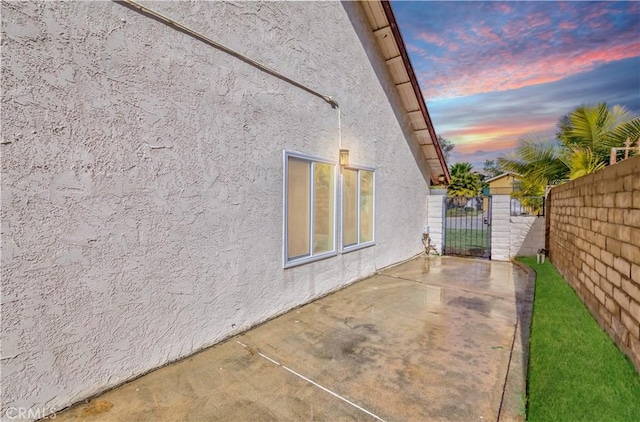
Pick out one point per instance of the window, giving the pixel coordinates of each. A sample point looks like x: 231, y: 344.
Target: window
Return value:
x: 357, y: 208
x: 309, y: 217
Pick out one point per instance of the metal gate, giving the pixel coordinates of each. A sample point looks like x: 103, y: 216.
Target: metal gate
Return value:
x: 467, y: 226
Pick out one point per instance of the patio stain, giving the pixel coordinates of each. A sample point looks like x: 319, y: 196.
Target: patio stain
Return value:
x: 96, y: 407
x: 472, y: 304
x: 406, y: 344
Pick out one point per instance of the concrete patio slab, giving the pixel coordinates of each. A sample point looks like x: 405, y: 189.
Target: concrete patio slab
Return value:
x: 431, y: 339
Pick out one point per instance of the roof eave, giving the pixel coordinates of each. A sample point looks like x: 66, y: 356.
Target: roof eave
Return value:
x: 386, y: 5
x: 383, y: 23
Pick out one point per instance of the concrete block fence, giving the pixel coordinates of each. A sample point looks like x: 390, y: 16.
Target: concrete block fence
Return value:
x: 594, y: 241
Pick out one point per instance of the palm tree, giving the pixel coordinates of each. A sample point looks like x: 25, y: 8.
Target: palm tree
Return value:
x: 459, y: 169
x: 529, y: 193
x: 464, y: 183
x: 581, y: 161
x: 598, y: 129
x: 537, y: 159
x: 584, y: 139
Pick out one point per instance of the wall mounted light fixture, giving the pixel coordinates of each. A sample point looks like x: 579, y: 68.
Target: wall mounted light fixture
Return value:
x: 344, y: 157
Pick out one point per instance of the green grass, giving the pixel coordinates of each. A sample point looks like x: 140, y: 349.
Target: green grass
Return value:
x: 460, y: 212
x: 576, y: 372
x: 464, y: 239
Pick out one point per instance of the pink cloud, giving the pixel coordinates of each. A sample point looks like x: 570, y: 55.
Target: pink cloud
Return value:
x: 438, y: 40
x: 506, y: 71
x: 595, y: 13
x: 535, y: 43
x: 462, y: 35
x: 487, y: 33
x: 535, y: 20
x: 431, y: 38
x: 545, y: 36
x: 503, y: 7
x: 417, y: 50
x: 495, y: 135
x: 491, y: 145
x: 568, y: 25
x: 516, y: 29
x: 600, y: 25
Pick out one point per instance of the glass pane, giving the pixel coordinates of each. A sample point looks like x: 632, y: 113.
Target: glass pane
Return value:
x: 350, y: 208
x: 323, y: 207
x: 366, y: 206
x: 299, y: 199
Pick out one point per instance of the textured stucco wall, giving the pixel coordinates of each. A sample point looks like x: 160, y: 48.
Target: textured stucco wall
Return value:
x: 142, y: 179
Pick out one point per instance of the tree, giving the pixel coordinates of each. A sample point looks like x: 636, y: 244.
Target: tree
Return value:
x: 464, y: 183
x: 446, y: 146
x: 536, y: 159
x: 491, y: 169
x: 598, y: 129
x: 530, y: 193
x: 583, y: 143
x: 459, y: 169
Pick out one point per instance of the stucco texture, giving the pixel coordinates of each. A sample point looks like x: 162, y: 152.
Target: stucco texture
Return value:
x: 142, y: 179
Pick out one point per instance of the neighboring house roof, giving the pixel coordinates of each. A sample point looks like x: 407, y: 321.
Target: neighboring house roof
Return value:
x: 493, y: 179
x: 385, y: 28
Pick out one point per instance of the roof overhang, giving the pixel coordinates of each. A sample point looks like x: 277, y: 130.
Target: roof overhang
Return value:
x: 385, y: 28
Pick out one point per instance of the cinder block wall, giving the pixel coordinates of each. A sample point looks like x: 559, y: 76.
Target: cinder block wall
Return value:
x: 594, y: 242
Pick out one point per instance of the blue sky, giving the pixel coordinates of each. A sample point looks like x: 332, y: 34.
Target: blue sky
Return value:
x: 493, y: 71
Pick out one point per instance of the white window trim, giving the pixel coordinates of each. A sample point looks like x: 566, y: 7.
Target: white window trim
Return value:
x: 287, y: 263
x: 357, y: 246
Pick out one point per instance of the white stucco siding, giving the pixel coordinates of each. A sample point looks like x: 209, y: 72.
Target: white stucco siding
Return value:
x: 142, y: 179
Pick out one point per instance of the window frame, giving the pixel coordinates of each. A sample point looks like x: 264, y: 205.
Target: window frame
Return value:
x: 289, y: 263
x: 359, y: 245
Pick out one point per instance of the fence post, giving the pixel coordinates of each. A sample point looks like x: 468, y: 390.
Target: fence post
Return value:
x: 547, y: 221
x: 500, y: 227
x: 434, y: 218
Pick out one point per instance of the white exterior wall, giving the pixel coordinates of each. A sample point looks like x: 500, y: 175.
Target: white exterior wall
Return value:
x: 142, y: 179
x: 526, y: 235
x: 500, y: 222
x: 435, y: 205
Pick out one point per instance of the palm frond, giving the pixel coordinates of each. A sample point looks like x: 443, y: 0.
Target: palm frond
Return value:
x: 536, y: 159
x: 460, y: 169
x: 581, y: 161
x: 585, y: 126
x: 629, y: 129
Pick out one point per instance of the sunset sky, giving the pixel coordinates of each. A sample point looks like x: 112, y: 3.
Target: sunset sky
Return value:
x: 492, y: 71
